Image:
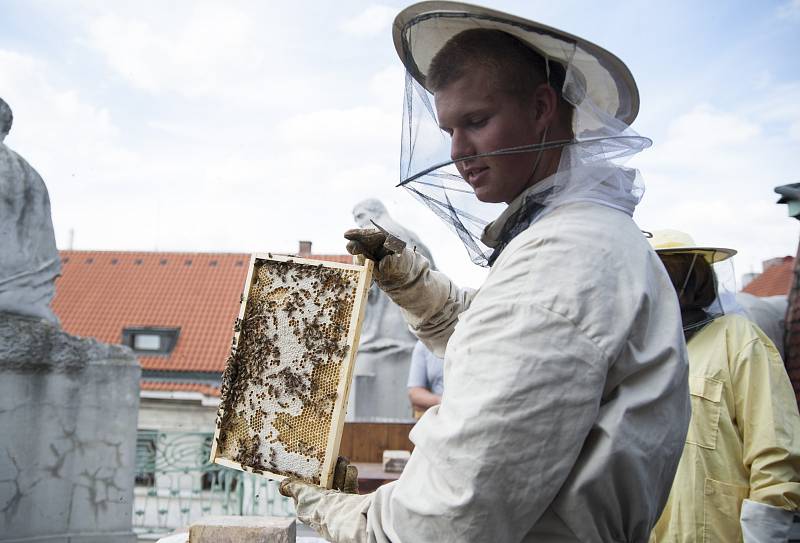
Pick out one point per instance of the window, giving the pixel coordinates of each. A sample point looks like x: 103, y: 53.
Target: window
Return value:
x: 151, y: 340
x: 215, y: 477
x: 147, y: 342
x: 145, y: 457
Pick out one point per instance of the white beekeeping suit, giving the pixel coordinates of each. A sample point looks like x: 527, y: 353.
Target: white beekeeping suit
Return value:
x: 566, y: 402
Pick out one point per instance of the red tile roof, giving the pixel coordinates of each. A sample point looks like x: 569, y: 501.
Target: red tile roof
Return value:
x: 167, y: 386
x: 99, y: 293
x: 774, y: 280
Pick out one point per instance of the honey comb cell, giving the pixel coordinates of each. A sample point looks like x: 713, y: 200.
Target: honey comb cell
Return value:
x: 287, y: 378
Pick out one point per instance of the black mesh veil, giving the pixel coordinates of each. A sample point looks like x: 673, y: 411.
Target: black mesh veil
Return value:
x: 595, y: 83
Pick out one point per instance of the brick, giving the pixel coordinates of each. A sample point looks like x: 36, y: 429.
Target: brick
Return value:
x: 236, y: 529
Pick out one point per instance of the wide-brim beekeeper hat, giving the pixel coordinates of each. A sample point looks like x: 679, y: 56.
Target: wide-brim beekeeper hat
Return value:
x: 596, y: 84
x: 675, y: 242
x: 422, y: 29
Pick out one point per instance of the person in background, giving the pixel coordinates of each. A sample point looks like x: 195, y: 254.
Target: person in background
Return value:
x: 739, y: 476
x: 425, y: 379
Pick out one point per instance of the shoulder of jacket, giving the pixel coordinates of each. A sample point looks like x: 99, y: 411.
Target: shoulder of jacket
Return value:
x: 580, y: 231
x: 739, y: 326
x: 738, y: 332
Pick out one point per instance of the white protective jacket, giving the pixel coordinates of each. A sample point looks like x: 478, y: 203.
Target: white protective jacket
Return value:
x: 566, y: 401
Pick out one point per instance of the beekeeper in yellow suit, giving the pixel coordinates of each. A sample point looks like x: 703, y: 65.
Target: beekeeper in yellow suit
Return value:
x: 739, y: 476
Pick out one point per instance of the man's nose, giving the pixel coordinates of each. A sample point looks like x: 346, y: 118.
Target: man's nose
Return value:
x: 460, y: 146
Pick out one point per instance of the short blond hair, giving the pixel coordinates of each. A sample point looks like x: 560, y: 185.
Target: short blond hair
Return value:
x: 517, y: 68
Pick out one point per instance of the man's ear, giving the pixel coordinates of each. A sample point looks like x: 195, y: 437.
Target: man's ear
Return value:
x: 545, y: 104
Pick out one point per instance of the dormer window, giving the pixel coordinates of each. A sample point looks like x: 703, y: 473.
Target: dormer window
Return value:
x: 151, y: 340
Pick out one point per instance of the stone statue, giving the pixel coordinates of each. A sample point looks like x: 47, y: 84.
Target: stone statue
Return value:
x: 68, y: 405
x: 384, y: 352
x: 30, y: 261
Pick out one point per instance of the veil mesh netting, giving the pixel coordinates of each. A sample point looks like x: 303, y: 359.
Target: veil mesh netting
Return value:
x: 590, y: 167
x: 691, y: 271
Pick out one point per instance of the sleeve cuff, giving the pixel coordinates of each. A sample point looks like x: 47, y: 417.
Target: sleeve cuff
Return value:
x: 762, y: 523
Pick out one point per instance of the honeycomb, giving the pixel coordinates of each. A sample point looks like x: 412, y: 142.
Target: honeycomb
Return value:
x: 280, y: 388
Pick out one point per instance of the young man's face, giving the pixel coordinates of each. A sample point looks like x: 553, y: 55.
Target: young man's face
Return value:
x: 481, y: 118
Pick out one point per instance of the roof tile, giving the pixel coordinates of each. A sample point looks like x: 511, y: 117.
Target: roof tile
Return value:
x: 774, y: 280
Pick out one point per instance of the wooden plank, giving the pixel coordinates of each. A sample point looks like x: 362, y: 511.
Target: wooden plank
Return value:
x: 286, y: 387
x: 343, y: 390
x: 366, y: 441
x: 234, y: 342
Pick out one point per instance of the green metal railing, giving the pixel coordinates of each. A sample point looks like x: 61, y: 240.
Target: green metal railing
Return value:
x: 176, y: 484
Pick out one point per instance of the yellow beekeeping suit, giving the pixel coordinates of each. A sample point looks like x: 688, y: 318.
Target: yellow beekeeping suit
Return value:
x: 743, y: 441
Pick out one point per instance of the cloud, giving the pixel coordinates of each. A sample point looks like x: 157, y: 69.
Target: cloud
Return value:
x: 374, y: 20
x: 386, y: 87
x: 210, y: 48
x: 75, y: 146
x: 358, y: 131
x: 705, y: 139
x: 56, y: 128
x: 789, y: 10
x: 778, y: 105
x: 714, y: 175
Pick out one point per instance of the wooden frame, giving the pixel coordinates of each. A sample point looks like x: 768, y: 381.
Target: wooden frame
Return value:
x: 345, y: 372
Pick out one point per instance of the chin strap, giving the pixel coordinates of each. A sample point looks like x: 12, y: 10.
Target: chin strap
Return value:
x: 688, y: 275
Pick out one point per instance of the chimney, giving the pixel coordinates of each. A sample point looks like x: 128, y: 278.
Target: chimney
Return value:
x: 772, y: 262
x: 305, y: 248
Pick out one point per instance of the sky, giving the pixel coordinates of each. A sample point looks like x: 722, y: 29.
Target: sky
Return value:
x: 247, y: 126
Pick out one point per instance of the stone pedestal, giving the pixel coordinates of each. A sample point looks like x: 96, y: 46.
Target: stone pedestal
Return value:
x: 243, y: 530
x: 68, y: 411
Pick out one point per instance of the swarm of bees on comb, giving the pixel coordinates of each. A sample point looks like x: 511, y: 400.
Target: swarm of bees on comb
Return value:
x: 285, y: 385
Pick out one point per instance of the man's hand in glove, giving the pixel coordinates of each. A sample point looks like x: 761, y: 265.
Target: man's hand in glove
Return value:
x: 345, y: 479
x: 372, y: 243
x: 392, y: 258
x: 345, y: 476
x: 336, y: 514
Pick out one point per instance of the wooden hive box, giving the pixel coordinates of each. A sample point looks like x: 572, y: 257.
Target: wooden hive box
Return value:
x: 287, y: 380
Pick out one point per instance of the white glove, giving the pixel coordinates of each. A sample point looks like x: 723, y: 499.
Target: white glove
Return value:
x: 401, y: 272
x: 762, y: 523
x: 337, y: 516
x: 430, y: 302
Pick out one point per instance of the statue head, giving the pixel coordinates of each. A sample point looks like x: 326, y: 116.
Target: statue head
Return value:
x: 371, y: 208
x: 6, y: 118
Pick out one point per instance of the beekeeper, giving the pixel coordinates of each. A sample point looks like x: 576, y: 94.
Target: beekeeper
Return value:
x: 565, y: 404
x: 739, y: 477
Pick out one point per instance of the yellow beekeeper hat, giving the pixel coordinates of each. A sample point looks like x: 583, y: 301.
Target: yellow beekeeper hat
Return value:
x: 673, y: 242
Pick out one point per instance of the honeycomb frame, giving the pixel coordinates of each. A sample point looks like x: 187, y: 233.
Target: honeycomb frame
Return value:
x: 287, y: 380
